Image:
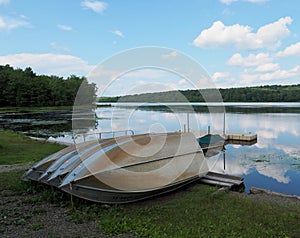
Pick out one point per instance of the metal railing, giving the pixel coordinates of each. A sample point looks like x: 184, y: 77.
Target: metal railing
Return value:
x: 99, y: 135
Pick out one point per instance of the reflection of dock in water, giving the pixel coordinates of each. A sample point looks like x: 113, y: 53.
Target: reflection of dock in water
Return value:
x: 240, y: 142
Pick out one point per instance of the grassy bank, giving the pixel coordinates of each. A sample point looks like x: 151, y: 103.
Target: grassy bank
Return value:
x: 17, y: 148
x: 196, y: 211
x: 33, y: 109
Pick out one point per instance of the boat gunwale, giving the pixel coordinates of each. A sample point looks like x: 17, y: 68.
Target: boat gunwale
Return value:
x: 194, y: 178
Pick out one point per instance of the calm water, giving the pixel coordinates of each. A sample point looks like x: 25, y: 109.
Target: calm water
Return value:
x: 271, y: 163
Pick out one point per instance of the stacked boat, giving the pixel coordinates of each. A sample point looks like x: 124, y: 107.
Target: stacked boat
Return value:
x: 123, y: 169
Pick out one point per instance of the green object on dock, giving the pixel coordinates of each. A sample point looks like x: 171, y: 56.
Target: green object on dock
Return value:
x: 210, y: 139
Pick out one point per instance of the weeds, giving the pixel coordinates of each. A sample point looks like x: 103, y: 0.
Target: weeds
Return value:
x: 37, y: 226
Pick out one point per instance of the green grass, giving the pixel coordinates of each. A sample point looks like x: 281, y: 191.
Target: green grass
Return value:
x: 202, y: 211
x: 11, y: 181
x: 33, y: 109
x: 198, y: 211
x: 17, y: 148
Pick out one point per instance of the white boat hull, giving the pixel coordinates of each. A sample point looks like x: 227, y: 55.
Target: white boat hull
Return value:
x: 124, y: 169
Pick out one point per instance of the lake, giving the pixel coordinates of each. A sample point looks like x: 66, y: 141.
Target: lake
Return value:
x: 271, y: 163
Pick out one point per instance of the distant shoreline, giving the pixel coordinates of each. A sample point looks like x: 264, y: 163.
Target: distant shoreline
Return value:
x: 273, y: 93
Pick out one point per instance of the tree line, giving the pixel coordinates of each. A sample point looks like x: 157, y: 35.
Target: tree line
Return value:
x: 19, y: 88
x: 269, y: 93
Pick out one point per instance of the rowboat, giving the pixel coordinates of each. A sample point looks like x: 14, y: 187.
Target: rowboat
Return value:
x: 211, y: 144
x: 124, y: 169
x: 210, y: 140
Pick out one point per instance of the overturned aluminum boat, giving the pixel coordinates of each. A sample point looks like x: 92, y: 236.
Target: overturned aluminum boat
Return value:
x: 123, y: 169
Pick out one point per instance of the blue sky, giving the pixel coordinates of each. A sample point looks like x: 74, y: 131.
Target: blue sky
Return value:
x: 238, y: 42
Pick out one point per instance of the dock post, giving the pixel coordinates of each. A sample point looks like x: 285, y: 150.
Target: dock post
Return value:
x: 188, y: 122
x: 224, y: 160
x: 224, y: 118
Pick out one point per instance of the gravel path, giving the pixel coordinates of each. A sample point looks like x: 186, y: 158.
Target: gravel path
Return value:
x: 15, y: 167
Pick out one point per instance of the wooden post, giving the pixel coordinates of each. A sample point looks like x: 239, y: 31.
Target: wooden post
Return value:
x: 188, y: 122
x: 224, y: 118
x: 224, y: 164
x: 72, y: 204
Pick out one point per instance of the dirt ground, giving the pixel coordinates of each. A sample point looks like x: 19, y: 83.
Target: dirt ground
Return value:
x: 21, y: 217
x: 15, y: 167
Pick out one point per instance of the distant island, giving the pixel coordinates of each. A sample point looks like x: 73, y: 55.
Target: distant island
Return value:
x: 269, y: 93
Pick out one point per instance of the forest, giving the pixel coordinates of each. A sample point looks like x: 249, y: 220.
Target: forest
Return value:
x: 24, y: 88
x: 269, y: 93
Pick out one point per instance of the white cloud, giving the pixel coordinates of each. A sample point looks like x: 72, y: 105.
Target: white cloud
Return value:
x: 118, y: 33
x: 248, y: 79
x: 273, y: 32
x: 219, y: 75
x: 227, y: 2
x: 49, y: 64
x: 281, y: 74
x: 146, y: 73
x: 275, y: 171
x: 249, y: 61
x: 95, y: 6
x: 274, y: 75
x: 2, y: 2
x: 64, y: 27
x: 256, y: 1
x: 265, y: 74
x: 170, y: 55
x: 182, y: 82
x: 140, y: 80
x: 224, y: 79
x: 242, y: 37
x: 220, y: 35
x: 267, y: 67
x: 292, y: 50
x: 7, y: 23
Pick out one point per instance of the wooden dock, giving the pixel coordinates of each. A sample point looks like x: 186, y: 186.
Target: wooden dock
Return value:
x: 230, y: 137
x: 223, y: 180
x: 240, y: 137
